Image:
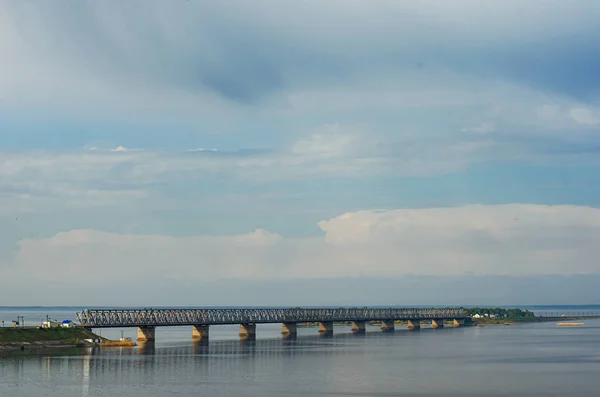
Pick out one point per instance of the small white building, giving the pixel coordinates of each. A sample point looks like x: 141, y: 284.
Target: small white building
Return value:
x: 51, y: 324
x: 67, y: 324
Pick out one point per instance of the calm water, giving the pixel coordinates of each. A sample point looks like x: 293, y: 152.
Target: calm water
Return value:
x: 526, y: 360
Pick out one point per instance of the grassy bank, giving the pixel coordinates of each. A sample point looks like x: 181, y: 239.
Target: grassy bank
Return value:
x: 43, y: 337
x: 70, y: 335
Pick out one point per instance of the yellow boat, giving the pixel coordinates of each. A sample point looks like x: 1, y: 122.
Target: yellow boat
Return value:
x: 570, y: 324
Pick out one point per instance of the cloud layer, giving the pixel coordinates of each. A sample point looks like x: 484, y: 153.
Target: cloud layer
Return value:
x: 197, y: 59
x: 515, y: 239
x: 246, y: 52
x: 116, y: 176
x: 146, y: 139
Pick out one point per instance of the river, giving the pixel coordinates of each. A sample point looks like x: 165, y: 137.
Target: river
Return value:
x: 535, y: 359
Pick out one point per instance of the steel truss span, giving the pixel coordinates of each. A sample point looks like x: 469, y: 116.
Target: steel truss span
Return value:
x: 175, y: 317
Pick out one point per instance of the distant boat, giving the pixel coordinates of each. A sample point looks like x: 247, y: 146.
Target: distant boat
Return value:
x: 570, y: 324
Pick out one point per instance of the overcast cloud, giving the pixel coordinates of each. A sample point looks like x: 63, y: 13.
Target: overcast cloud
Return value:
x: 185, y: 142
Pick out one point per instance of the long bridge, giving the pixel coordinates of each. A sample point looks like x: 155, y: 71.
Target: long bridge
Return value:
x: 146, y: 320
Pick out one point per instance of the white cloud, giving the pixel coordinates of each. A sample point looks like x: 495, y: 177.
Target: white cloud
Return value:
x: 124, y: 149
x: 329, y: 151
x: 513, y: 239
x: 567, y: 116
x: 484, y: 128
x: 584, y: 116
x: 201, y: 149
x: 329, y: 141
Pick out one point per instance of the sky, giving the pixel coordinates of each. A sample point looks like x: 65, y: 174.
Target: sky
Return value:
x: 341, y: 152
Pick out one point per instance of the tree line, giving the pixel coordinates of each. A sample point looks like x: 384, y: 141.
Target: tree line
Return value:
x: 499, y: 312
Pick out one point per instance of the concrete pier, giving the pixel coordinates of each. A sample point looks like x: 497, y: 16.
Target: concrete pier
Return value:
x: 387, y: 325
x: 247, y: 330
x: 414, y: 324
x: 437, y: 323
x: 289, y: 328
x: 458, y: 323
x: 199, y: 332
x: 146, y: 334
x: 326, y: 327
x: 359, y: 326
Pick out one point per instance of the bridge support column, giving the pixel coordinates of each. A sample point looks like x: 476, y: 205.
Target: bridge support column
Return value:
x: 146, y: 334
x: 437, y: 323
x: 414, y: 324
x: 145, y: 348
x: 247, y: 330
x: 289, y: 328
x: 458, y: 323
x: 387, y: 325
x: 359, y: 327
x: 326, y: 327
x: 199, y: 332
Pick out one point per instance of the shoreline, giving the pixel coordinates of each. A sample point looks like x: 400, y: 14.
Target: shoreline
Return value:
x: 12, y: 346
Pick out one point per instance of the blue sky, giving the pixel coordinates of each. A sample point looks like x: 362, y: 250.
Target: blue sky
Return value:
x: 299, y: 141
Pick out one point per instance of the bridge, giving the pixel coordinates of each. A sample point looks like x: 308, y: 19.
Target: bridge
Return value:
x: 146, y: 320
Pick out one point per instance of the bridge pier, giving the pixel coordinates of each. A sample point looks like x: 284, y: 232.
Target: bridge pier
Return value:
x: 359, y: 327
x: 146, y: 348
x: 146, y: 334
x: 437, y: 323
x: 199, y: 332
x: 326, y: 327
x: 289, y: 329
x: 459, y: 322
x: 247, y: 330
x: 387, y: 325
x: 414, y: 324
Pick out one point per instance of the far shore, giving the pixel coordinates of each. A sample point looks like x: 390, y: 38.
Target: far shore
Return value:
x: 486, y: 321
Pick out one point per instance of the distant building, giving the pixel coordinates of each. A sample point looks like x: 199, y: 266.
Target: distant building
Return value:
x: 67, y: 324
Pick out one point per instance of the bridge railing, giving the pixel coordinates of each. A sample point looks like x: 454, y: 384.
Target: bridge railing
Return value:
x: 172, y: 317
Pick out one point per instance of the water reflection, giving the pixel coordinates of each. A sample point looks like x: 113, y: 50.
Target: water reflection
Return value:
x: 374, y: 363
x: 86, y: 364
x: 206, y: 359
x: 146, y: 348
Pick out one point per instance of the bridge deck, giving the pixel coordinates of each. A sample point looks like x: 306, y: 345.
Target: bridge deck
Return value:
x: 177, y: 317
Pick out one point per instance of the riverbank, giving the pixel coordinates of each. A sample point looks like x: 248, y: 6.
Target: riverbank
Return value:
x: 39, y: 338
